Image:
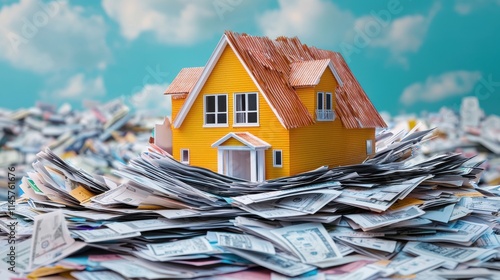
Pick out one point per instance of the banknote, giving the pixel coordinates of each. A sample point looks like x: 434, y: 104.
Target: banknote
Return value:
x: 104, y: 234
x: 310, y: 242
x: 197, y: 245
x: 50, y: 237
x: 241, y: 241
x: 448, y: 253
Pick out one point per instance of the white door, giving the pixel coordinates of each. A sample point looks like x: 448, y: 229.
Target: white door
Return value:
x: 239, y: 164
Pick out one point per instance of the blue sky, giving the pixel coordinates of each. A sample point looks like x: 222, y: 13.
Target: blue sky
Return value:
x: 409, y: 56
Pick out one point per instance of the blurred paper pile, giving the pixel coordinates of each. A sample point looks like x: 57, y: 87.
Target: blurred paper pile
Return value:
x: 398, y: 214
x: 96, y: 139
x: 464, y: 129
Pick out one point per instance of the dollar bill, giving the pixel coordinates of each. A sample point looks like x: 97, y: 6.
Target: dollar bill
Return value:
x: 310, y: 242
x: 105, y: 234
x: 50, y: 237
x: 275, y: 262
x: 448, y: 253
x: 197, y: 245
x: 419, y: 264
x: 371, y: 221
x: 241, y: 241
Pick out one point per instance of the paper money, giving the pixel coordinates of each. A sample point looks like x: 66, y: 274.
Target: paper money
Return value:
x: 448, y: 253
x: 418, y: 264
x: 197, y: 245
x: 276, y: 263
x: 105, y: 234
x: 310, y: 242
x: 50, y: 237
x: 242, y: 241
x: 373, y: 221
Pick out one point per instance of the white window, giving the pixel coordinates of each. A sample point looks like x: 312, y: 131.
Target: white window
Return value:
x: 185, y: 156
x: 277, y: 158
x: 369, y: 147
x: 246, y: 108
x: 215, y: 110
x: 324, y: 106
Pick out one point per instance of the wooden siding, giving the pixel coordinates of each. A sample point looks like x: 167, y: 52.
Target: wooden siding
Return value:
x: 232, y: 142
x: 229, y: 77
x: 326, y: 142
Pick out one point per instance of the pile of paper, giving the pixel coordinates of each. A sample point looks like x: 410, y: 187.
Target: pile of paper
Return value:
x: 396, y: 215
x: 465, y: 129
x: 98, y: 138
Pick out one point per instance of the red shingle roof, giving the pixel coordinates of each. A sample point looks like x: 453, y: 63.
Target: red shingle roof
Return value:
x: 277, y: 66
x: 271, y: 63
x: 185, y: 81
x: 307, y: 73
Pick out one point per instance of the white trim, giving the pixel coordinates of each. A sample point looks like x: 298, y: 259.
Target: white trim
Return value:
x: 261, y: 164
x: 235, y: 148
x: 182, y: 156
x: 274, y: 158
x: 245, y: 94
x: 216, y: 110
x: 212, y: 61
x: 335, y: 73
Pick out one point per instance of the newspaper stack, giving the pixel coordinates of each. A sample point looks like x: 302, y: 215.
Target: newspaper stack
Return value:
x: 395, y: 215
x: 98, y: 138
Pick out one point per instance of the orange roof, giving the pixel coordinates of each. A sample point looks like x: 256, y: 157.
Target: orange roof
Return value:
x: 307, y: 73
x: 277, y: 66
x: 185, y: 81
x: 276, y: 63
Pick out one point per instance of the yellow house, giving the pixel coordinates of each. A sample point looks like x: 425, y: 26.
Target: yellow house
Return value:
x: 263, y: 109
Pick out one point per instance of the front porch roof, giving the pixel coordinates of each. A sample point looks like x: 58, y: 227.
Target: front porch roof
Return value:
x: 246, y: 138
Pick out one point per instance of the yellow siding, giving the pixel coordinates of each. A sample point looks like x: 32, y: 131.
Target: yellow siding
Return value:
x: 176, y: 106
x: 305, y: 96
x: 228, y: 77
x: 232, y: 142
x: 326, y: 142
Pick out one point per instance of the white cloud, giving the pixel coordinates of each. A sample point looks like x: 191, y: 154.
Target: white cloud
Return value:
x: 151, y: 101
x: 402, y: 35
x: 175, y: 21
x: 315, y: 22
x: 51, y: 36
x: 465, y: 7
x: 435, y: 88
x: 78, y: 87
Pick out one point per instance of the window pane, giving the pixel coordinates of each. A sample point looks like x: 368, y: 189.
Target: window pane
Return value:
x: 210, y: 119
x: 252, y: 117
x: 277, y: 158
x: 252, y: 102
x: 328, y: 102
x: 320, y: 101
x: 185, y: 156
x: 210, y: 103
x: 222, y: 118
x: 221, y: 103
x: 240, y: 102
x: 240, y: 118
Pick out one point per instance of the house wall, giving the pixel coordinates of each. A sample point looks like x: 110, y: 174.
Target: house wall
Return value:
x: 326, y: 142
x: 229, y: 76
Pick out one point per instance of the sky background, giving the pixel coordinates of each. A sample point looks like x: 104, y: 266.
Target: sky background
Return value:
x: 409, y: 56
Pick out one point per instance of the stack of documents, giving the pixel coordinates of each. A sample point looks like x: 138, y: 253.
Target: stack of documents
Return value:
x: 395, y: 215
x: 98, y: 139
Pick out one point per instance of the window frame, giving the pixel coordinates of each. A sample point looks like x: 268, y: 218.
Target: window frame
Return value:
x: 246, y: 111
x: 216, y: 124
x: 324, y: 97
x: 274, y: 158
x: 182, y: 156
